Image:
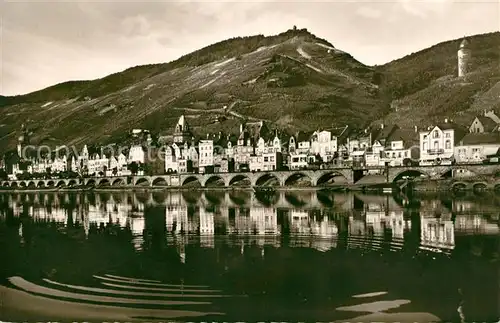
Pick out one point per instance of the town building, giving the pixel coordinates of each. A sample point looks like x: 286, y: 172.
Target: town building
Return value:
x: 300, y: 160
x: 401, y: 147
x: 476, y: 147
x: 136, y: 154
x: 482, y: 124
x: 437, y: 144
x: 268, y: 161
x: 206, y: 155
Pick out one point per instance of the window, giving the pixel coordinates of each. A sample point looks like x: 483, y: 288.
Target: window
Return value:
x: 448, y: 144
x: 436, y: 145
x: 435, y: 134
x: 406, y: 154
x: 448, y: 135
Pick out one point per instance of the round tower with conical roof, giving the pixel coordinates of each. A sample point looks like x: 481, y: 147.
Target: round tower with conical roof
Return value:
x: 22, y: 140
x: 464, y: 58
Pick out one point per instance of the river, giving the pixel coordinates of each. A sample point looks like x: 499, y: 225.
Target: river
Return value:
x: 237, y: 256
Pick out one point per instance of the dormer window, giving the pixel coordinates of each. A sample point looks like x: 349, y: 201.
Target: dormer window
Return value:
x: 435, y: 134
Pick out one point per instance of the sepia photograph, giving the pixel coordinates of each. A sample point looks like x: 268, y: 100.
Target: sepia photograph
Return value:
x: 250, y: 161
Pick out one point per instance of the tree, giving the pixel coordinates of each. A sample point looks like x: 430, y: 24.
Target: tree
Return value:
x: 133, y: 167
x: 3, y: 174
x: 115, y: 171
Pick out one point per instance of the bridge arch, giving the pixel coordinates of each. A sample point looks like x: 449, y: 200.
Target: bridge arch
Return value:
x: 142, y: 181
x: 14, y: 185
x: 50, y: 184
x: 61, y: 183
x: 118, y: 182
x: 191, y: 180
x: 293, y: 178
x: 104, y: 182
x: 240, y: 178
x: 6, y: 184
x: 159, y: 181
x: 459, y: 186
x: 31, y: 184
x: 328, y: 176
x: 72, y: 182
x: 91, y: 182
x: 267, y: 178
x: 41, y: 184
x: 22, y: 184
x: 479, y: 186
x: 410, y: 172
x: 214, y: 180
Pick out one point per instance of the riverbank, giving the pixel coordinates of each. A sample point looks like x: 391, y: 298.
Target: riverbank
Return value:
x: 340, y: 187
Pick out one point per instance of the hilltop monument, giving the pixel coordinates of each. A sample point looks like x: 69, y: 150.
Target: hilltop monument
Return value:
x: 464, y: 57
x: 22, y: 140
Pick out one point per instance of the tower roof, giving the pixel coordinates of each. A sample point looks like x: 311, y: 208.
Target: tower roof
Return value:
x: 182, y: 122
x: 464, y: 43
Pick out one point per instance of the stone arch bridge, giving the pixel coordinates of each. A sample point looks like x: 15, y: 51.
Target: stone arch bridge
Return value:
x: 438, y: 172
x: 315, y: 177
x: 254, y: 179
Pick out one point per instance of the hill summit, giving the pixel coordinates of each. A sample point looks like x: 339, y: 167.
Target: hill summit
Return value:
x: 294, y: 81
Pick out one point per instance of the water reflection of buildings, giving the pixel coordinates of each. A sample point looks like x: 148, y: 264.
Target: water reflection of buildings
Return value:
x: 373, y: 222
x: 312, y: 230
x: 379, y: 218
x: 437, y: 232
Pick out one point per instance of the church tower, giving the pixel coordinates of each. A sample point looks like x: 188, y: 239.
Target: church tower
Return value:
x: 182, y: 131
x: 464, y: 57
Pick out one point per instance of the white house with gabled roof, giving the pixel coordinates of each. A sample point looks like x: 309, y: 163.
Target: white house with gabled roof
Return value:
x: 437, y: 143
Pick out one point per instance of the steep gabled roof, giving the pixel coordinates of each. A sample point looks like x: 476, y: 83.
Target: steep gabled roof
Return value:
x: 480, y: 139
x: 488, y: 123
x: 405, y: 135
x: 303, y: 136
x: 384, y: 134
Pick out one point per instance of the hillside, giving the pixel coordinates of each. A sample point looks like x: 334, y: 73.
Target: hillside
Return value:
x: 424, y: 87
x: 293, y: 80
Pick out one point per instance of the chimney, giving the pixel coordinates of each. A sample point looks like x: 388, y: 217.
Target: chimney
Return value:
x: 381, y: 126
x: 416, y: 129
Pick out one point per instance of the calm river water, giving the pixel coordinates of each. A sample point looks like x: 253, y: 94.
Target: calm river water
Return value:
x: 237, y: 256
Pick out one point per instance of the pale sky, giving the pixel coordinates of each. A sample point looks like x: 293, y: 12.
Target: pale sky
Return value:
x: 44, y: 43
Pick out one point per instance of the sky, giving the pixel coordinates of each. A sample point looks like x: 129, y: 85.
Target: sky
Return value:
x: 45, y: 43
